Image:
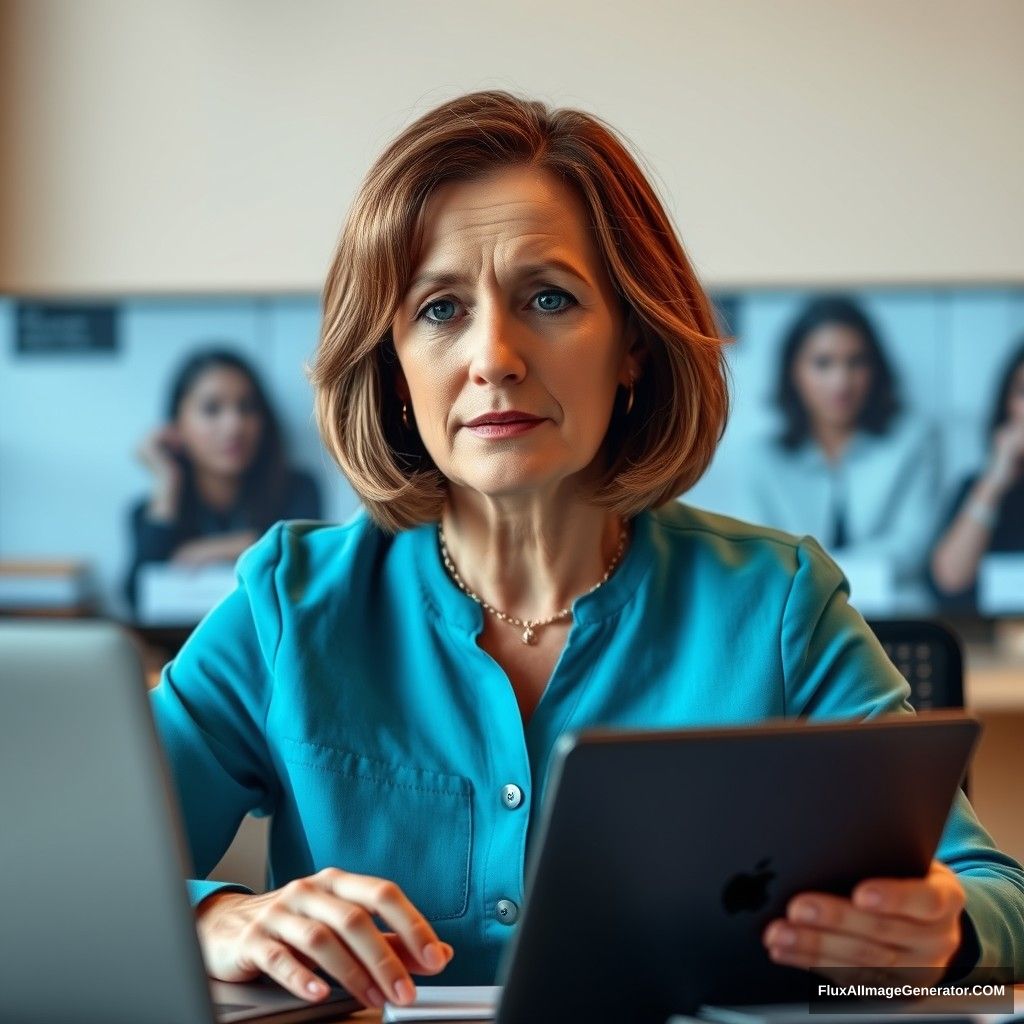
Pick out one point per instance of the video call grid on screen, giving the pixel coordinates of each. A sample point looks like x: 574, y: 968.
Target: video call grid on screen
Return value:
x: 70, y: 422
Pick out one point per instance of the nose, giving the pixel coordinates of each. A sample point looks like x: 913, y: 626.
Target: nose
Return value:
x: 234, y: 422
x: 495, y: 356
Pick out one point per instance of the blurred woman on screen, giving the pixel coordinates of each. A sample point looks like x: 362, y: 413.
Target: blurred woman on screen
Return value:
x: 987, y: 514
x: 849, y: 466
x: 219, y: 472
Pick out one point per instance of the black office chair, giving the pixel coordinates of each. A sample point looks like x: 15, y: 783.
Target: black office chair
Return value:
x: 929, y: 656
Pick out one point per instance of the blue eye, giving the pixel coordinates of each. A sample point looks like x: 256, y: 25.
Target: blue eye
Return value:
x: 544, y: 301
x: 441, y: 311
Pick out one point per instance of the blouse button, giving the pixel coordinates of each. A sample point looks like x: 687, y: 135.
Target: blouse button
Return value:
x: 511, y: 796
x: 508, y: 912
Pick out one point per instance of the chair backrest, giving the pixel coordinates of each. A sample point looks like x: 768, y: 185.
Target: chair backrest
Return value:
x: 929, y: 656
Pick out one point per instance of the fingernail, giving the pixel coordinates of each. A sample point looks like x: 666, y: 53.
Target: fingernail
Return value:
x: 870, y: 898
x: 317, y: 988
x: 375, y: 997
x: 404, y: 992
x: 783, y: 936
x: 433, y: 955
x: 805, y: 912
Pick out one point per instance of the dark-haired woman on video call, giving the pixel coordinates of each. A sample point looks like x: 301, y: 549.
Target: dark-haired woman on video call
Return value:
x: 987, y: 514
x: 849, y: 467
x: 219, y: 472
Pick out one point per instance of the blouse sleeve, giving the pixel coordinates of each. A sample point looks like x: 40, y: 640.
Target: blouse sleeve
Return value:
x: 835, y: 667
x: 210, y: 710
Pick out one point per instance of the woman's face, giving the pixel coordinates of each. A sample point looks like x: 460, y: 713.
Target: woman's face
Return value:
x: 832, y: 376
x: 510, y: 308
x: 219, y: 422
x: 1015, y: 397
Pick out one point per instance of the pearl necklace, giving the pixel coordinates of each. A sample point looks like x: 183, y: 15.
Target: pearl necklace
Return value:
x: 528, y: 626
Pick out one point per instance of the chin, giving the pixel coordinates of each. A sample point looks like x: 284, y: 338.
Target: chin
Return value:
x: 234, y: 468
x: 505, y: 487
x: 842, y: 419
x: 510, y: 481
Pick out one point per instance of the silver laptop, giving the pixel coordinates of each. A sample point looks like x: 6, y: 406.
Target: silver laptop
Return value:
x: 96, y: 924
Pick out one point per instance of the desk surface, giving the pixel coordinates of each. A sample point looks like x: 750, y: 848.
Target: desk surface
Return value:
x: 992, y: 682
x: 374, y: 1016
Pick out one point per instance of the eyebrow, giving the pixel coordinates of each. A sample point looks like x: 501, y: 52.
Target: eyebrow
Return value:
x: 442, y: 279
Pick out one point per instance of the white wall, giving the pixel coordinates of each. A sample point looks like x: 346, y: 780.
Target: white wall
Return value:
x: 204, y: 146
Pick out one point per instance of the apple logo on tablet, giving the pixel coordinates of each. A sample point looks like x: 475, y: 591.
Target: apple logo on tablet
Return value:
x: 748, y: 890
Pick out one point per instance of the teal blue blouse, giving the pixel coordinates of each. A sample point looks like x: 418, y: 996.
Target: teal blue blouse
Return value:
x: 340, y: 689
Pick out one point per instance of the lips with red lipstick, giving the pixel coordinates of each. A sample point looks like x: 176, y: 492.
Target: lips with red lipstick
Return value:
x: 510, y: 423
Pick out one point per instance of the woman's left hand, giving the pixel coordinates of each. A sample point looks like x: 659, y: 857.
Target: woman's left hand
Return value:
x: 911, y: 923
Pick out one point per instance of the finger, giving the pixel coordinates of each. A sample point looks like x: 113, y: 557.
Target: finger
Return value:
x: 317, y: 941
x: 387, y: 901
x: 813, y: 948
x: 829, y: 913
x: 933, y: 898
x: 412, y: 963
x: 169, y: 435
x: 354, y: 926
x: 278, y: 962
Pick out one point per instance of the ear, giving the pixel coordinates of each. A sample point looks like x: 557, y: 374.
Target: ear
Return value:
x: 401, y: 386
x: 634, y: 360
x: 392, y: 368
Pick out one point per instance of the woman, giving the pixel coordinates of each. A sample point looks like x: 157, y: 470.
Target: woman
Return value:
x: 518, y: 371
x: 219, y: 473
x: 987, y: 513
x: 848, y: 468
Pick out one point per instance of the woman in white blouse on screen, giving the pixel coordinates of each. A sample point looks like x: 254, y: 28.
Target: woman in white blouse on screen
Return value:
x: 849, y: 467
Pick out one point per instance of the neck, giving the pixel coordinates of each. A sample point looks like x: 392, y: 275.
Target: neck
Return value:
x: 833, y: 439
x: 215, y: 489
x: 528, y: 556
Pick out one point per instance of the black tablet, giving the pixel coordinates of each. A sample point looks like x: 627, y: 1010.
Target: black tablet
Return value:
x: 662, y: 855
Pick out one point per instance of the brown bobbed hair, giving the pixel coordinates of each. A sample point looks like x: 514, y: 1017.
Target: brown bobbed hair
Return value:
x: 681, y: 398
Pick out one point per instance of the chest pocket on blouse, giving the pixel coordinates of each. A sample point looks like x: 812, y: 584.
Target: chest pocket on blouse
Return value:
x: 409, y: 825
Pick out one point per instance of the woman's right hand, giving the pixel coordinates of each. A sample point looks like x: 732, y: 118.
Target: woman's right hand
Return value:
x: 322, y: 922
x: 157, y: 453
